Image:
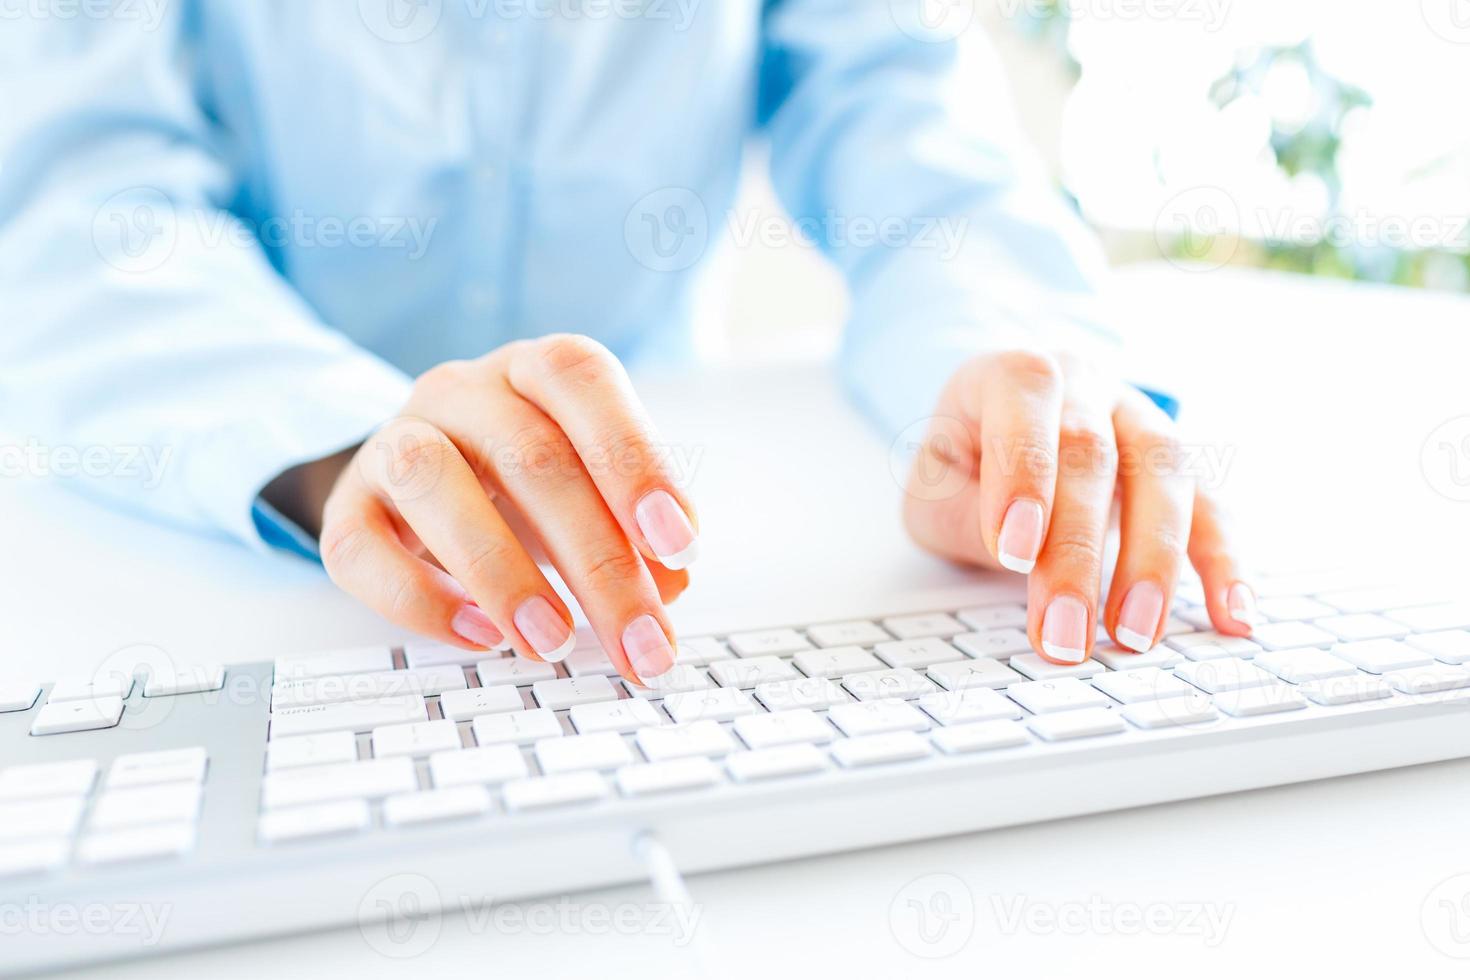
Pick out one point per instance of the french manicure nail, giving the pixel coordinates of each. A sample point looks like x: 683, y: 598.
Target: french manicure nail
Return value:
x: 667, y: 528
x: 1064, y: 630
x: 471, y: 623
x: 1139, y: 619
x: 1241, y: 602
x: 543, y: 628
x: 647, y: 647
x: 1020, y: 536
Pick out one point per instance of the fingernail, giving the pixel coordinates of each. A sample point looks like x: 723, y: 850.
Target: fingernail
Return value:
x: 1020, y: 536
x: 667, y: 528
x: 543, y: 628
x: 647, y: 647
x: 1064, y: 630
x: 1241, y: 602
x: 472, y: 624
x: 1139, y: 619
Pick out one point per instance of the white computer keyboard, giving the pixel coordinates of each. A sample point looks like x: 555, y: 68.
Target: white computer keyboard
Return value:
x: 323, y: 773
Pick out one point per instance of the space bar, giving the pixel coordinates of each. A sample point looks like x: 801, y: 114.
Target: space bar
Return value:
x: 349, y: 716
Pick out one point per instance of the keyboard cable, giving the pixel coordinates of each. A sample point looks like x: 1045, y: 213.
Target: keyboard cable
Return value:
x: 670, y: 889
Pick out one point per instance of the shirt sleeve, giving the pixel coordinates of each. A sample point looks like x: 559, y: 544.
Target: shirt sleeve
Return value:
x: 147, y: 338
x: 896, y: 146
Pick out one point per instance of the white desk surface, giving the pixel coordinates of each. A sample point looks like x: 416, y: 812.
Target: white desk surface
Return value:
x: 1325, y: 394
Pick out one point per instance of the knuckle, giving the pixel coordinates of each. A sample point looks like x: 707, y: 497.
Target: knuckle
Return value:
x: 1035, y: 369
x: 342, y: 543
x: 576, y: 357
x: 1087, y: 449
x: 406, y: 598
x: 1154, y: 452
x: 613, y: 569
x: 1027, y: 456
x: 444, y: 377
x: 488, y: 560
x: 625, y: 448
x: 418, y: 455
x: 537, y: 448
x: 1076, y: 548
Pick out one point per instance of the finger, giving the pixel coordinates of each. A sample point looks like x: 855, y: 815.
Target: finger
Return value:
x: 582, y: 387
x: 1063, y: 588
x: 1158, y: 499
x: 363, y: 554
x: 414, y: 467
x: 536, y: 467
x: 1020, y: 395
x: 1230, y: 601
x: 941, y: 504
x: 671, y: 584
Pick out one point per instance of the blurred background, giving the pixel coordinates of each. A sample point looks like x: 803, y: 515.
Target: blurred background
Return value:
x: 1321, y: 138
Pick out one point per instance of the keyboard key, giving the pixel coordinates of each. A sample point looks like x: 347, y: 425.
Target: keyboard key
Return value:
x: 416, y: 655
x: 1199, y: 618
x: 515, y: 727
x: 351, y: 716
x: 647, y: 778
x: 58, y: 718
x: 768, y: 643
x: 1444, y: 616
x: 90, y: 688
x: 1063, y: 694
x: 980, y: 737
x: 467, y: 704
x: 423, y: 682
x: 362, y: 660
x: 999, y: 643
x: 483, y: 764
x: 310, y: 750
x: 1448, y: 646
x: 53, y: 817
x: 716, y: 704
x: 877, y: 718
x: 701, y: 651
x: 1429, y: 679
x: 1212, y: 646
x: 415, y: 739
x: 1117, y: 658
x: 1248, y: 703
x: 970, y: 705
x: 569, y: 753
x: 929, y: 624
x: 515, y: 670
x: 194, y: 679
x: 138, y: 805
x: 683, y: 741
x: 1346, y: 690
x: 1037, y: 669
x: 320, y: 820
x: 967, y: 674
x: 426, y: 806
x: 1225, y: 674
x: 589, y: 661
x: 547, y: 791
x: 766, y: 731
x: 1192, y: 709
x: 1377, y: 599
x: 1288, y: 608
x: 877, y: 685
x: 836, y: 662
x: 1285, y: 636
x: 615, y: 716
x: 40, y: 779
x: 1144, y: 684
x: 137, y: 843
x: 1307, y: 664
x: 855, y: 633
x: 746, y: 674
x: 679, y: 679
x: 1362, y: 626
x: 805, y: 692
x: 563, y: 693
x: 33, y: 857
x: 982, y: 618
x: 168, y: 766
x: 347, y: 780
x: 870, y: 750
x: 1087, y: 723
x: 789, y: 760
x: 917, y: 654
x: 1381, y: 656
x: 18, y: 696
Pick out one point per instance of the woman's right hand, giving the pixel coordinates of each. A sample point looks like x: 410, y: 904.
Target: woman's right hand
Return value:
x: 437, y: 520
